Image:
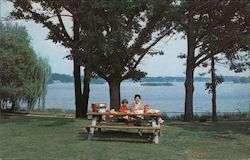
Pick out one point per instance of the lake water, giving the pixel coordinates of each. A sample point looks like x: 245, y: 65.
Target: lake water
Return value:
x: 170, y: 99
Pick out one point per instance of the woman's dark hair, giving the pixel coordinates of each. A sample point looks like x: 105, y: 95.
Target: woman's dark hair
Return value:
x: 137, y: 95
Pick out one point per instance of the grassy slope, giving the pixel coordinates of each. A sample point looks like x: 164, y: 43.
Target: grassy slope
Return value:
x: 55, y: 138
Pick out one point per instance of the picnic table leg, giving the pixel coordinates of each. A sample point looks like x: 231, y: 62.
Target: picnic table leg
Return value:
x: 156, y: 137
x: 156, y: 132
x: 99, y: 119
x: 88, y: 131
x: 140, y: 132
x: 92, y: 130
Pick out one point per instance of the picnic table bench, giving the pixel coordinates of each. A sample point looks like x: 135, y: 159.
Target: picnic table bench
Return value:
x: 149, y: 118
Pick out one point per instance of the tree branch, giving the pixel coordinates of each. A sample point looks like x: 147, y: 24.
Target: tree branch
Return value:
x: 216, y: 52
x: 145, y: 51
x: 62, y: 15
x: 49, y: 25
x: 61, y: 22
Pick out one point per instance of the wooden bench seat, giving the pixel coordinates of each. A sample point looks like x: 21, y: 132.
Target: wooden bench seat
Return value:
x: 156, y: 130
x: 124, y: 127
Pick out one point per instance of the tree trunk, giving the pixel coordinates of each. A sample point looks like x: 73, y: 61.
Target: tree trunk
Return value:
x: 78, y: 91
x: 13, y: 106
x: 86, y: 81
x: 39, y: 103
x: 77, y: 70
x: 114, y: 91
x: 213, y: 87
x: 189, y: 82
x: 43, y: 101
x: 189, y: 90
x: 18, y: 104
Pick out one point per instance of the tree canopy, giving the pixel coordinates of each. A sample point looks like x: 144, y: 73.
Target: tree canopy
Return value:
x: 52, y: 15
x: 118, y: 35
x: 108, y: 37
x: 211, y: 28
x: 24, y: 76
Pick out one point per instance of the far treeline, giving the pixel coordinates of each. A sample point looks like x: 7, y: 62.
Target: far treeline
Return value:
x: 64, y: 78
x: 109, y: 39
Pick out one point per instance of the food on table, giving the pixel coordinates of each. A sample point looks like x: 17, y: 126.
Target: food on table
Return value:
x: 153, y: 111
x: 113, y: 111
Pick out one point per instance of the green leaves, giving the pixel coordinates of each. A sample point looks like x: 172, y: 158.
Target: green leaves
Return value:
x: 117, y: 33
x: 24, y: 76
x: 218, y: 80
x: 111, y: 34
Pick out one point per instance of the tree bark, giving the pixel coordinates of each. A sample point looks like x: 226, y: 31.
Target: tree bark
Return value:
x: 189, y: 86
x: 114, y: 91
x: 77, y: 70
x: 189, y: 90
x: 39, y: 103
x: 78, y: 90
x: 213, y: 87
x: 13, y: 106
x: 86, y: 90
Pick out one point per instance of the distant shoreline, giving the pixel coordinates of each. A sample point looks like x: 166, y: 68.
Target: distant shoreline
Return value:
x: 64, y: 78
x: 157, y: 84
x: 149, y: 83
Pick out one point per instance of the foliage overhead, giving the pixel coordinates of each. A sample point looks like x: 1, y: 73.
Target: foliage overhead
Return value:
x: 120, y: 34
x: 217, y: 27
x: 114, y: 36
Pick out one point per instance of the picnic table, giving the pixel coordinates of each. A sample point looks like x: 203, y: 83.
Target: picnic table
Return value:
x: 99, y: 119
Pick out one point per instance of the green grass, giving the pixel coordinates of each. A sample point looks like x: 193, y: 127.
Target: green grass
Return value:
x: 227, y: 116
x: 57, y: 138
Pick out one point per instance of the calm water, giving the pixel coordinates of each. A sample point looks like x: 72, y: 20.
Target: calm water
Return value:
x: 230, y: 96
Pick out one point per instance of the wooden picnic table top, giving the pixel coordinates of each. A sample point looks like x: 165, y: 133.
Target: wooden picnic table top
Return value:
x: 124, y: 114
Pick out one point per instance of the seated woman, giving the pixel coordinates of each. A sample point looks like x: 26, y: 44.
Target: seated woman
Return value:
x: 137, y: 106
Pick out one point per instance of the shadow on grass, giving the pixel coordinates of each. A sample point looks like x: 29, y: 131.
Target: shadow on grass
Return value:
x: 56, y: 122
x: 7, y: 115
x: 222, y: 129
x: 40, y: 121
x: 117, y: 136
x: 4, y: 116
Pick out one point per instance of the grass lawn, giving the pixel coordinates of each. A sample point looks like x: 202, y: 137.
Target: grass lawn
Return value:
x: 41, y: 138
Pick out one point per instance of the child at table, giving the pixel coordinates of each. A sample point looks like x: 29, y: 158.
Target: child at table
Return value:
x: 124, y: 107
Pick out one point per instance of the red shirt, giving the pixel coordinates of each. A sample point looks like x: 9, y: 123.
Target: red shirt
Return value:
x: 123, y: 108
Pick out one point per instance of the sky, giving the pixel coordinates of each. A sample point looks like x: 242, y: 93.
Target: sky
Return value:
x: 165, y: 65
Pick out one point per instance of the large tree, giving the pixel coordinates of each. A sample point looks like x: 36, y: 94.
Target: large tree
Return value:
x: 54, y: 16
x: 237, y: 55
x: 24, y: 76
x: 119, y: 35
x: 202, y: 23
x: 235, y: 36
